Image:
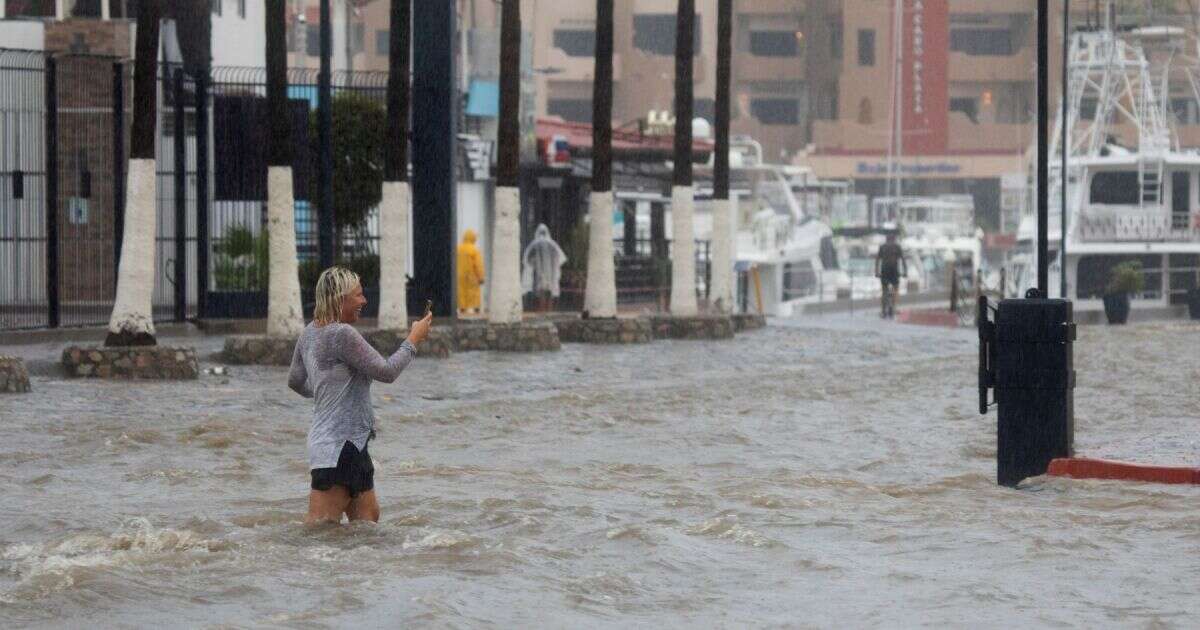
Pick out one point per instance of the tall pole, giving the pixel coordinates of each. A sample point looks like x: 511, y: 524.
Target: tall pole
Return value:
x: 600, y: 298
x: 721, y: 262
x: 683, y: 257
x: 394, y: 202
x: 1063, y: 179
x: 434, y: 96
x: 1043, y: 149
x: 505, y: 297
x: 326, y: 225
x: 285, y: 315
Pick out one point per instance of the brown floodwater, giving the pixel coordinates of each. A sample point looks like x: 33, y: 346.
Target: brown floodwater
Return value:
x: 826, y: 472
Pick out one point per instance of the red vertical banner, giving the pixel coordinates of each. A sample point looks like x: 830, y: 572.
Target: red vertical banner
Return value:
x: 925, y: 68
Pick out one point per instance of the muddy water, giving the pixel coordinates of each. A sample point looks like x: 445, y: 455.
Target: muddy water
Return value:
x: 820, y: 473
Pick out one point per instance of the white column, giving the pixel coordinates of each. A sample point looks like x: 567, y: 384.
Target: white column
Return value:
x: 133, y: 308
x: 600, y: 299
x: 105, y: 10
x: 683, y: 253
x: 721, y: 257
x: 504, y: 299
x: 285, y: 317
x: 393, y: 256
x: 60, y: 9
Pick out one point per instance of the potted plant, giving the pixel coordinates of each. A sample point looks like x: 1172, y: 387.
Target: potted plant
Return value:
x: 1124, y: 280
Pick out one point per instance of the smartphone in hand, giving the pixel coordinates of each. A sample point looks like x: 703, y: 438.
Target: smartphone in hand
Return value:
x: 428, y: 307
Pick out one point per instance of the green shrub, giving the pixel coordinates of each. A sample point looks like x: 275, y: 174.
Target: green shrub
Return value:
x: 1126, y: 278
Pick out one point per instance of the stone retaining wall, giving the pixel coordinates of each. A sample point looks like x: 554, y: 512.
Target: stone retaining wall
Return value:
x: 748, y: 321
x: 258, y: 350
x: 521, y: 337
x: 614, y: 331
x: 439, y: 344
x: 138, y: 362
x: 698, y: 327
x: 14, y: 379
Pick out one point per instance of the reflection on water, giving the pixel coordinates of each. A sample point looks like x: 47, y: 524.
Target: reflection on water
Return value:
x: 816, y: 473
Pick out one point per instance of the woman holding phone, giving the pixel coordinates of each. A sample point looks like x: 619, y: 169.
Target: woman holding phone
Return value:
x: 335, y: 366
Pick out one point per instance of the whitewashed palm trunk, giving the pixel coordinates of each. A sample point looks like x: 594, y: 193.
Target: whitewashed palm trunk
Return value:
x: 393, y: 256
x: 285, y: 317
x: 600, y: 300
x: 721, y: 261
x: 504, y: 298
x: 133, y: 310
x: 683, y: 253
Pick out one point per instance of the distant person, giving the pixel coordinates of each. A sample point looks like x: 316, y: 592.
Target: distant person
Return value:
x: 335, y: 366
x: 542, y: 268
x: 470, y: 274
x: 888, y: 264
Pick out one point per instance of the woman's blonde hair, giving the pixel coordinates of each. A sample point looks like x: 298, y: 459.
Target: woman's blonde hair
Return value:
x: 333, y: 286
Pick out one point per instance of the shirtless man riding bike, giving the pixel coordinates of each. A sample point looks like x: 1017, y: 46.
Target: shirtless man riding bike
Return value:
x: 890, y: 266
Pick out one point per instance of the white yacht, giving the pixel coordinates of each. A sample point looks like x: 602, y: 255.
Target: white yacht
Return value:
x: 1136, y: 202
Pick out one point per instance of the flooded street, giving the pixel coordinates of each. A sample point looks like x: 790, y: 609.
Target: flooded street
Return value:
x: 819, y: 473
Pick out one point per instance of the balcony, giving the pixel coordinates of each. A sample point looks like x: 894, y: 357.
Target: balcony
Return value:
x: 1122, y: 224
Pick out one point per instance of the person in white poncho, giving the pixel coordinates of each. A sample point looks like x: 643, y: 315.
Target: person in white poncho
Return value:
x: 541, y: 271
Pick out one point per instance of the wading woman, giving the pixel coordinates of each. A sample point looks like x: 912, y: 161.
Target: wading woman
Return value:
x: 335, y: 366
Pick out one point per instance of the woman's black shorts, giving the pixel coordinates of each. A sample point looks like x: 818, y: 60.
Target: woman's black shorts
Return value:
x: 354, y: 471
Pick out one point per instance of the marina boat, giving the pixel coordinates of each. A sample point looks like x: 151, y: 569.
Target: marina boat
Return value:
x: 1133, y: 201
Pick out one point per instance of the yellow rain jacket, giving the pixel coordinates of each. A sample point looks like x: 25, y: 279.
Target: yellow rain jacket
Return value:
x: 470, y: 272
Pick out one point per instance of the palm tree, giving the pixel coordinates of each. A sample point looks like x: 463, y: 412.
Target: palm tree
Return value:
x: 132, y: 320
x: 721, y: 262
x: 683, y: 245
x: 394, y: 205
x: 504, y: 304
x: 600, y: 300
x: 285, y: 318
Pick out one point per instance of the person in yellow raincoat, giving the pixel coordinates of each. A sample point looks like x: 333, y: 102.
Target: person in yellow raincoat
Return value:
x: 470, y: 273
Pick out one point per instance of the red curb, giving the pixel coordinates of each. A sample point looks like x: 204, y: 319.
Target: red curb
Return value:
x: 928, y: 317
x: 1083, y: 468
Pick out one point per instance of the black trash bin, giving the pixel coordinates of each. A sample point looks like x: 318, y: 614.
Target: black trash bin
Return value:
x: 1194, y: 303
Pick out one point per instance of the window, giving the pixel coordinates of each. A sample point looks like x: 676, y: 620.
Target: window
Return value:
x: 776, y: 111
x: 1185, y: 111
x: 216, y: 7
x: 358, y: 41
x: 799, y: 280
x: 575, y: 42
x: 1181, y: 203
x: 86, y: 8
x: 967, y: 106
x: 571, y: 109
x: 1114, y: 187
x: 1093, y: 275
x: 312, y: 40
x: 866, y: 47
x: 835, y: 39
x: 775, y: 43
x: 982, y: 41
x: 655, y: 33
x: 383, y: 45
x: 705, y: 108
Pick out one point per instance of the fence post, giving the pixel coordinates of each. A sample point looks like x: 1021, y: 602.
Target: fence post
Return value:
x: 202, y: 193
x: 180, y: 168
x: 118, y: 105
x: 52, y: 273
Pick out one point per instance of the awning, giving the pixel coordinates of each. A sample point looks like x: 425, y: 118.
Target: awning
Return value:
x: 483, y: 99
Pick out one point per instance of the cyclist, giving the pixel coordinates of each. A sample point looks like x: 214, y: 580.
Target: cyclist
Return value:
x: 888, y: 264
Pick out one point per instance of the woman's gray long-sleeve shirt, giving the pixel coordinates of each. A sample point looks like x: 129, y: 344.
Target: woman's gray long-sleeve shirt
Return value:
x: 334, y: 365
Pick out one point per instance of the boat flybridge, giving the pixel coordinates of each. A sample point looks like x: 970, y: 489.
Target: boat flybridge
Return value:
x: 1136, y: 201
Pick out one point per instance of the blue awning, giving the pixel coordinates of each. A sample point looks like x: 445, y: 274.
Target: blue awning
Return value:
x: 483, y: 99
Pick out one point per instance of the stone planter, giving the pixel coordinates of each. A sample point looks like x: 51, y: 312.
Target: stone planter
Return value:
x: 611, y: 331
x: 134, y: 362
x: 14, y: 378
x: 521, y: 337
x: 698, y: 327
x: 748, y: 321
x: 258, y: 350
x: 439, y: 344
